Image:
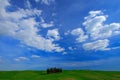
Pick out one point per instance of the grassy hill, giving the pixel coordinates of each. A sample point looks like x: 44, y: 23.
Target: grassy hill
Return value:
x: 65, y: 75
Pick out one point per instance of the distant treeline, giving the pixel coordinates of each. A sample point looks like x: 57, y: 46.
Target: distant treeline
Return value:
x: 54, y: 70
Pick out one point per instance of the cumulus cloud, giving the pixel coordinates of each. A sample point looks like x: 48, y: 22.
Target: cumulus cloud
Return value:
x: 97, y: 45
x: 95, y: 27
x: 97, y: 31
x: 94, y: 21
x: 80, y: 33
x: 22, y: 25
x: 53, y: 34
x: 21, y: 59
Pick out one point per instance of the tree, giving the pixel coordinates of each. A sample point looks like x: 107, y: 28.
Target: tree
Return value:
x: 54, y: 70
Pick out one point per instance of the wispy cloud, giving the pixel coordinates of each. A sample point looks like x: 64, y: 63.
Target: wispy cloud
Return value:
x: 21, y: 59
x: 46, y: 2
x: 46, y: 25
x: 35, y: 56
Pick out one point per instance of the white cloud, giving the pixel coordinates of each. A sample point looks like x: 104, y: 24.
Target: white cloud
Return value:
x: 80, y: 33
x: 46, y: 25
x: 22, y: 25
x: 93, y: 14
x: 96, y: 31
x: 3, y: 4
x: 53, y: 34
x: 35, y: 56
x: 21, y: 59
x: 47, y: 2
x: 77, y: 32
x: 95, y: 27
x: 97, y: 45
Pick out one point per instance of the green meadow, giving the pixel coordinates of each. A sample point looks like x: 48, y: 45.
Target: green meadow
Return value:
x: 65, y: 75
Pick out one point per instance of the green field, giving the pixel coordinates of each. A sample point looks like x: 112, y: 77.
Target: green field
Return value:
x: 65, y: 75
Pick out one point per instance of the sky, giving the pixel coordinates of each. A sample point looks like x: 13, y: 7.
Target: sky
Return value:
x: 70, y: 34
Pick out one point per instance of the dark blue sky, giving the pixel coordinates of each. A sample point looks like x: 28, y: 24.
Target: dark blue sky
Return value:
x: 71, y: 34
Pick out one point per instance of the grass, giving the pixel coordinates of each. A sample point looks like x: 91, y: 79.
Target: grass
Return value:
x: 65, y: 75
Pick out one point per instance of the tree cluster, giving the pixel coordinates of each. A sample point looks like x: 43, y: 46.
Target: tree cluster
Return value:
x: 54, y: 70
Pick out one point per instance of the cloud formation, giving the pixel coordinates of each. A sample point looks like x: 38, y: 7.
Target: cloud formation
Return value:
x: 96, y: 31
x: 80, y: 33
x: 97, y: 45
x: 21, y: 25
x: 95, y: 27
x: 53, y: 34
